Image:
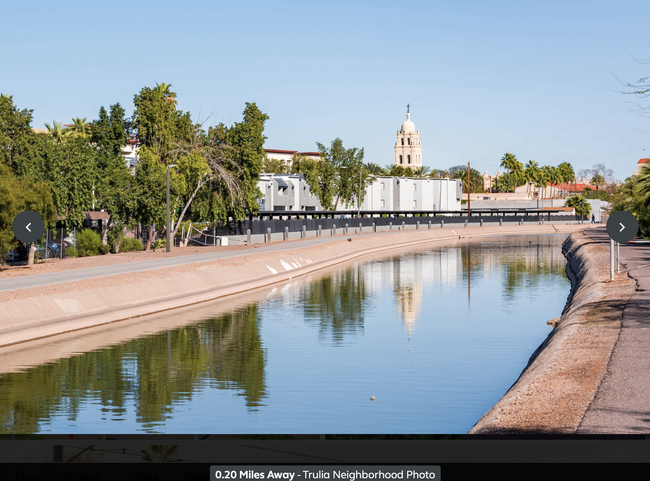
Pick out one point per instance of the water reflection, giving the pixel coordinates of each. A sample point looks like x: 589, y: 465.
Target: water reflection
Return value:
x: 290, y: 379
x: 151, y: 374
x: 336, y: 304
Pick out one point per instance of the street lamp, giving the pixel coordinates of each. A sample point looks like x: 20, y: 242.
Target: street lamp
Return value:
x: 168, y: 227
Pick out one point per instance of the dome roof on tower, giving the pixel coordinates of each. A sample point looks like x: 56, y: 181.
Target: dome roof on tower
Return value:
x: 408, y: 126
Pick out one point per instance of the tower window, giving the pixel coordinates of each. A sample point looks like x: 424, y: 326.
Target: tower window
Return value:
x: 409, y: 141
x: 400, y: 159
x: 408, y: 158
x: 402, y: 141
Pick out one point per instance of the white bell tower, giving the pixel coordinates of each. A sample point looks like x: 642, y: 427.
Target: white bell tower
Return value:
x: 408, y: 150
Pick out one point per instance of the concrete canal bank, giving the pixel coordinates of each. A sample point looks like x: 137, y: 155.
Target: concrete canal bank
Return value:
x: 47, y: 310
x: 564, y: 374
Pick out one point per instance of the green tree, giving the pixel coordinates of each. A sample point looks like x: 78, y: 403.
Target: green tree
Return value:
x: 531, y: 172
x: 57, y: 131
x: 71, y: 171
x: 375, y: 169
x: 110, y: 131
x: 567, y: 174
x: 157, y: 122
x: 422, y: 171
x: 598, y: 180
x: 515, y: 168
x: 319, y: 174
x: 150, y: 192
x: 208, y: 165
x: 15, y: 133
x: 114, y: 183
x: 579, y: 203
x: 16, y: 195
x: 399, y: 171
x: 274, y: 166
x: 80, y: 128
x: 246, y: 140
x: 460, y: 172
x: 349, y: 178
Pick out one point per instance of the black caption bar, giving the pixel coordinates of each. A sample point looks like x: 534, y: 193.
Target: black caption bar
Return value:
x: 324, y: 473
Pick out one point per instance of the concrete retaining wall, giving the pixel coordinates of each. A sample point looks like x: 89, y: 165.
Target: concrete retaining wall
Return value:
x: 562, y: 377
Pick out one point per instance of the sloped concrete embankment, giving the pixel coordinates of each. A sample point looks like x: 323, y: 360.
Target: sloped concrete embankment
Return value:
x: 39, y: 316
x: 81, y: 304
x: 563, y: 375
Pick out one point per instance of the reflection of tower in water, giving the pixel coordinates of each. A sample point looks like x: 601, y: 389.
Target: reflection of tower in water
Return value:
x: 407, y: 286
x: 406, y: 277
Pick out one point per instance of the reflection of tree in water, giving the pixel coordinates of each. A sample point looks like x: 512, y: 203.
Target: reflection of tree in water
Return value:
x: 336, y: 303
x: 522, y: 262
x: 227, y: 350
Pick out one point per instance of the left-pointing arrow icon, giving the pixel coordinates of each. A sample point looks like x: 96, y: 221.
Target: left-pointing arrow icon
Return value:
x: 622, y: 227
x: 27, y: 227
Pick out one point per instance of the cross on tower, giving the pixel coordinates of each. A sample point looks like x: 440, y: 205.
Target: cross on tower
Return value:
x: 407, y: 108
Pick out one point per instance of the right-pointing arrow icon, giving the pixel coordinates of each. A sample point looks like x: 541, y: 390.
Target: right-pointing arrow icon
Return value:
x: 622, y: 227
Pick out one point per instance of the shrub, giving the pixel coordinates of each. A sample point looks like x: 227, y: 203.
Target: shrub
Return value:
x: 104, y: 248
x: 129, y: 244
x: 89, y: 243
x: 71, y: 251
x: 159, y: 244
x: 579, y: 204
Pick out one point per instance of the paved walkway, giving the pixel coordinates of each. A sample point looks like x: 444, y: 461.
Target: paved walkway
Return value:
x: 622, y: 403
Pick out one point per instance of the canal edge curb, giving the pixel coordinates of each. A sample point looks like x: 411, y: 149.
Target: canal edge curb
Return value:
x: 562, y: 377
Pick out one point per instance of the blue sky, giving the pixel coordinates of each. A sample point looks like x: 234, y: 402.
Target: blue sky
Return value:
x: 538, y: 79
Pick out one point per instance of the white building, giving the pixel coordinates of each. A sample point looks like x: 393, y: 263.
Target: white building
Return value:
x: 130, y: 153
x: 286, y: 156
x: 290, y: 192
x: 286, y: 192
x: 408, y: 150
x: 397, y: 194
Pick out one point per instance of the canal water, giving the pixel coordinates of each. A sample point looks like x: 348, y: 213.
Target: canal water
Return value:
x: 422, y: 342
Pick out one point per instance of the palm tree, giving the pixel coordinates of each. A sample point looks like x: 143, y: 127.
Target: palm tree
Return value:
x: 57, y: 131
x: 642, y: 184
x: 567, y: 173
x: 375, y: 169
x: 555, y: 178
x: 79, y: 128
x: 531, y: 172
x: 515, y: 168
x: 422, y: 171
x: 543, y: 179
x: 164, y: 90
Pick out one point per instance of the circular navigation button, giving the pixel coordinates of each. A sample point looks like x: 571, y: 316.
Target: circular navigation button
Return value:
x: 28, y: 226
x: 622, y: 226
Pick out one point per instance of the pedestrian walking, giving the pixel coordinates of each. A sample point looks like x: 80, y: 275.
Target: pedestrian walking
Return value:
x: 593, y: 219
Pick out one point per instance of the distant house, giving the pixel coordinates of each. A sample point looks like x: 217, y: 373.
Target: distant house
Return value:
x: 640, y: 164
x: 130, y: 153
x: 286, y: 156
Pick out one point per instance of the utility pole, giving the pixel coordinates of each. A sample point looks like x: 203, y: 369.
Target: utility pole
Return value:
x: 469, y: 209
